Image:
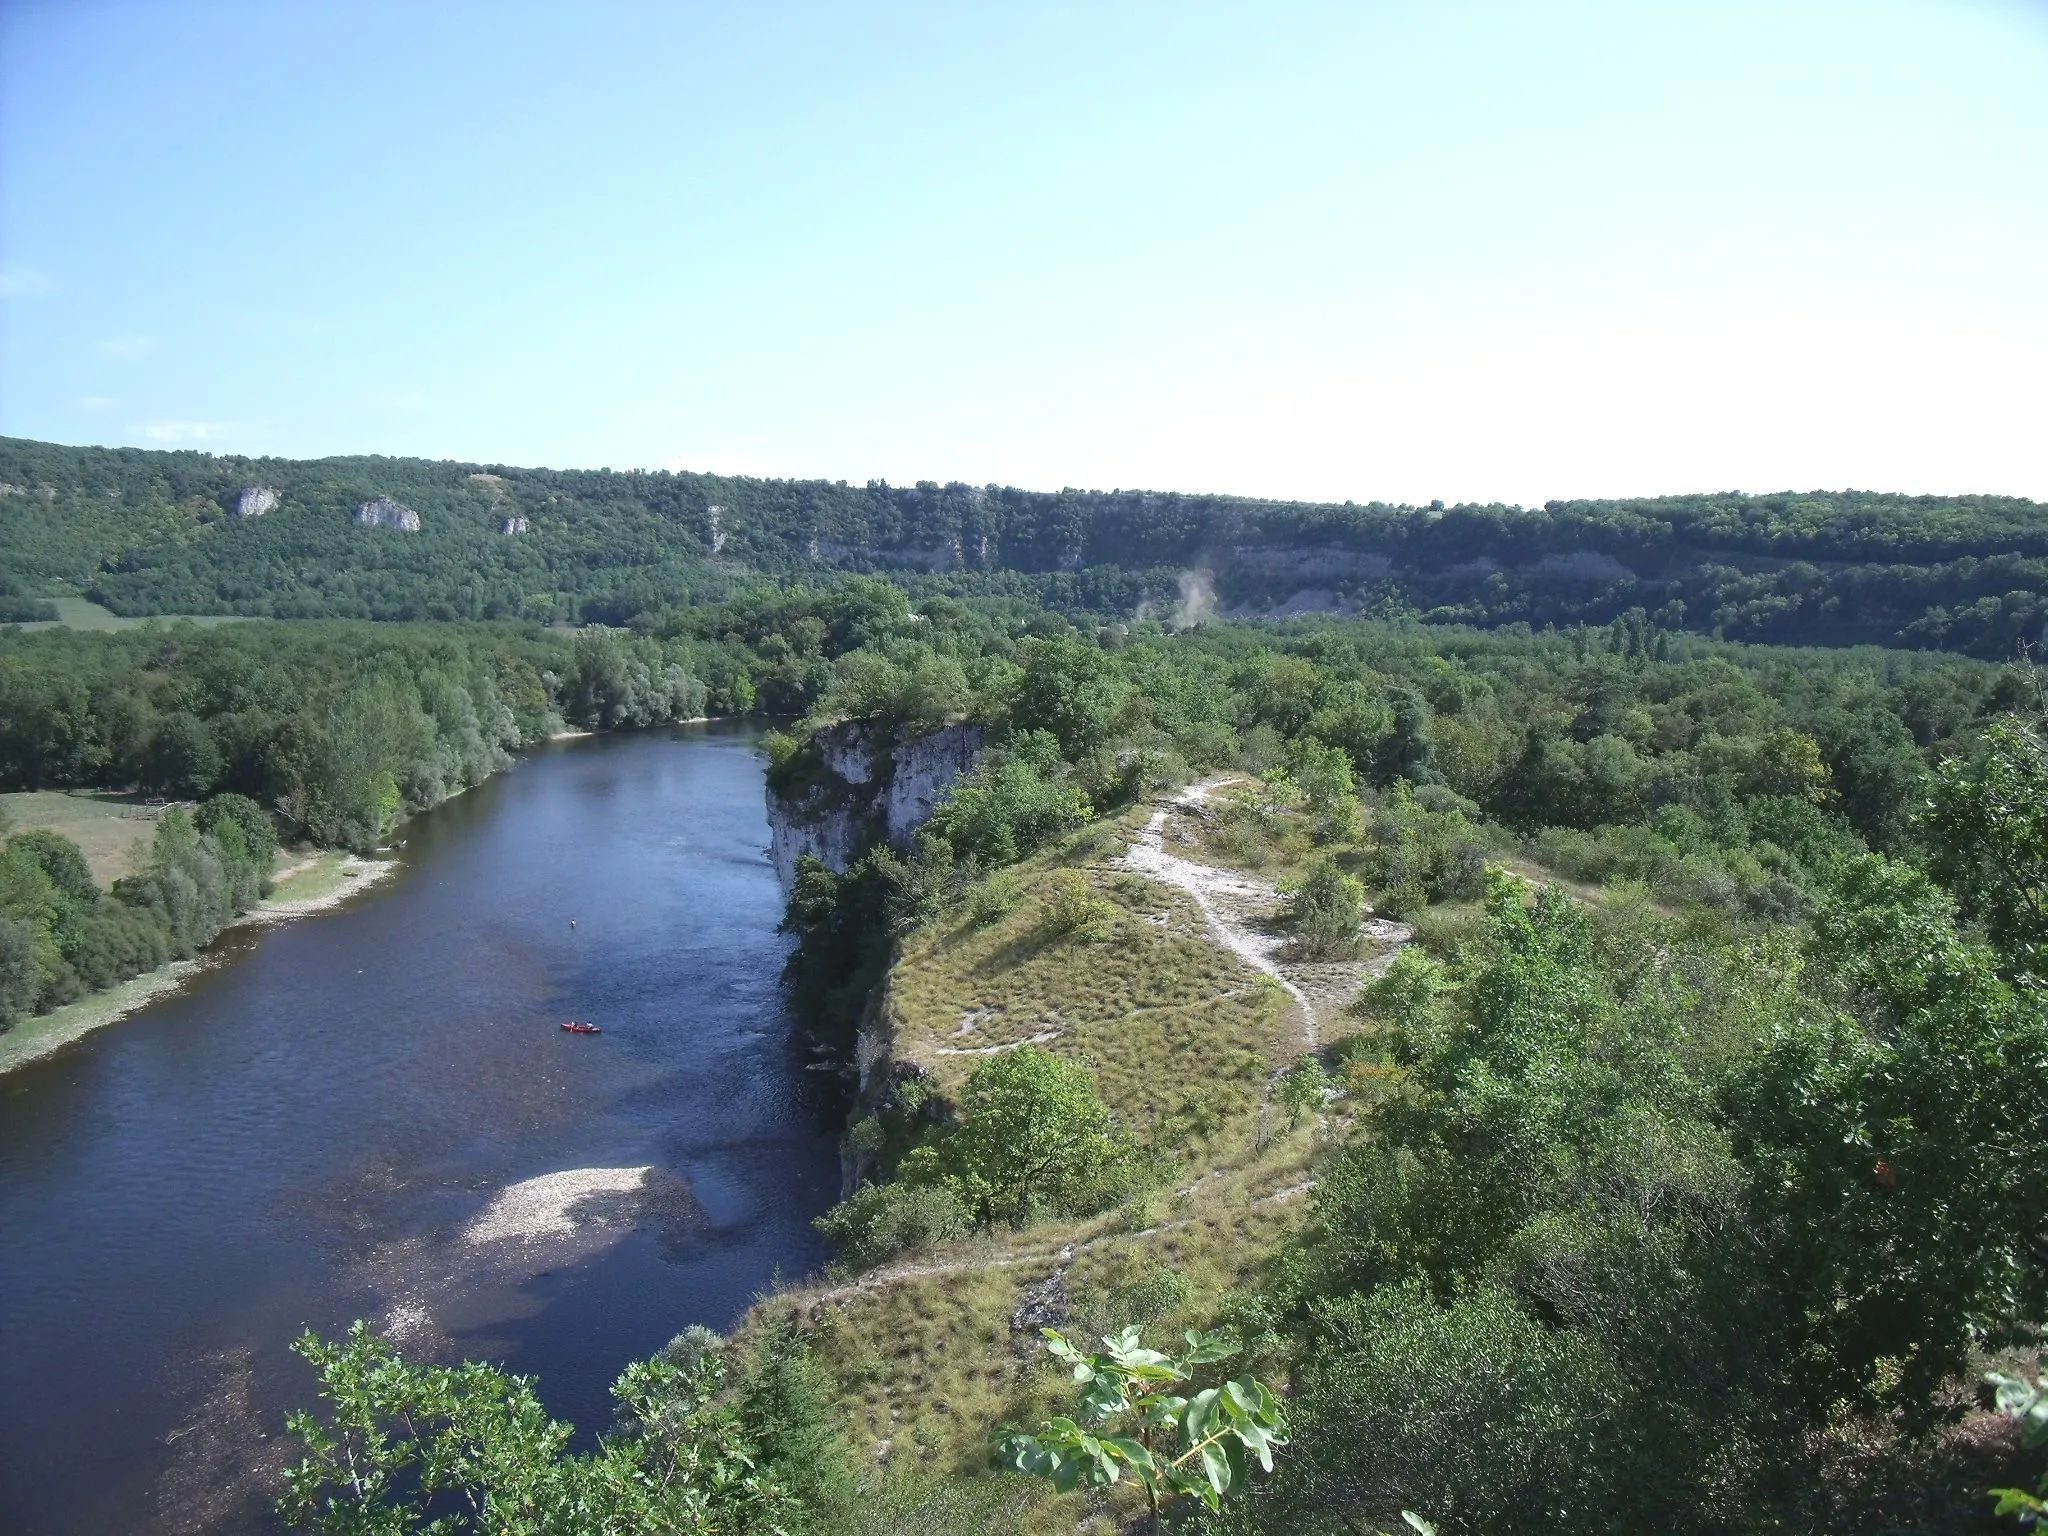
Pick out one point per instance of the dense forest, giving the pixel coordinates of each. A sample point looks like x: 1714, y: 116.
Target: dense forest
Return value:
x: 148, y: 532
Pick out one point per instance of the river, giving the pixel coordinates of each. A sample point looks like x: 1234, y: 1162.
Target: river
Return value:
x: 316, y: 1127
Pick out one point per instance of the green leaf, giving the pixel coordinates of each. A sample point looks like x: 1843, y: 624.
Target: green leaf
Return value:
x: 1203, y: 1348
x: 1199, y: 1421
x: 1216, y: 1465
x: 1059, y: 1344
x: 1162, y: 1412
x: 1130, y: 1450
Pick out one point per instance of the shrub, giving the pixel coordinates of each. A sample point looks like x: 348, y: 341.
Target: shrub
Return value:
x: 881, y: 1221
x: 1303, y: 1090
x: 1075, y: 911
x: 1420, y: 855
x: 1035, y: 1136
x: 993, y: 898
x: 998, y: 812
x: 1128, y: 1286
x: 1325, y: 910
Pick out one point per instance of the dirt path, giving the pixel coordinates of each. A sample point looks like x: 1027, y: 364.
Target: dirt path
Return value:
x: 1238, y: 909
x: 1232, y: 904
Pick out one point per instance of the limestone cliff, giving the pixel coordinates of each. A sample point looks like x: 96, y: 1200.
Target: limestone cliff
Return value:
x: 858, y: 781
x: 386, y: 513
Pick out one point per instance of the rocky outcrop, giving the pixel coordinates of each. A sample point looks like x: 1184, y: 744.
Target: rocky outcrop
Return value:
x: 255, y: 500
x: 857, y: 782
x: 386, y: 513
x: 512, y: 525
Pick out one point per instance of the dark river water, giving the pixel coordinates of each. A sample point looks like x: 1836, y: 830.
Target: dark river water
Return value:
x: 315, y: 1129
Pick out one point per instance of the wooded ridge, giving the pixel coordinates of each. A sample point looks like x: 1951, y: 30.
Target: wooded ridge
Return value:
x: 147, y: 532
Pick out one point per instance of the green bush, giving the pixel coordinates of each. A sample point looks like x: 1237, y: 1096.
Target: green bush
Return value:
x: 998, y: 812
x: 1034, y: 1136
x: 1417, y: 855
x: 1470, y: 1410
x: 882, y: 1221
x: 994, y: 898
x: 1074, y: 911
x: 62, y: 937
x: 1324, y: 912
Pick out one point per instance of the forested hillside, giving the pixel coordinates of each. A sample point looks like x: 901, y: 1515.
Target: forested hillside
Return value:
x: 167, y: 532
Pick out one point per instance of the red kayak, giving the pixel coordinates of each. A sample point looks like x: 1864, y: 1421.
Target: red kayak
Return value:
x: 582, y: 1029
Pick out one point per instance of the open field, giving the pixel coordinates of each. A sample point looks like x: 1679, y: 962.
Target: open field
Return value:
x: 112, y: 830
x: 79, y: 613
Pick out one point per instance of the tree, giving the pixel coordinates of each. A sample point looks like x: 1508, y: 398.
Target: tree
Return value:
x: 1069, y: 688
x: 878, y: 1221
x: 1325, y: 909
x: 60, y: 859
x: 17, y: 970
x: 182, y: 758
x: 996, y: 813
x: 1132, y: 1420
x: 1987, y: 831
x: 1034, y: 1133
x: 1304, y: 1090
x: 791, y: 1424
x: 1892, y: 1141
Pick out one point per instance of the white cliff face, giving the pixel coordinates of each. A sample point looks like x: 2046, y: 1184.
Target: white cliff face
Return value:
x: 871, y: 787
x: 255, y: 500
x: 832, y: 836
x: 386, y: 513
x: 512, y: 525
x: 924, y: 769
x: 849, y: 751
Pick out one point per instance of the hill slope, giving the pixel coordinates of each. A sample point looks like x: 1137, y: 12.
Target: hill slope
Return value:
x: 160, y: 532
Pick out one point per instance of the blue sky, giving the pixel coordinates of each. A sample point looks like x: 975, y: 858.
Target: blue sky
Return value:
x: 1399, y: 251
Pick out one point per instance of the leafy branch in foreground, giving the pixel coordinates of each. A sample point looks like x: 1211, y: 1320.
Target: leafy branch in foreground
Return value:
x: 2027, y: 1402
x: 1131, y: 1418
x: 445, y: 1449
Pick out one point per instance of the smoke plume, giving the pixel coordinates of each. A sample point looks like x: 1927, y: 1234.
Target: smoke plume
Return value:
x: 1197, y: 599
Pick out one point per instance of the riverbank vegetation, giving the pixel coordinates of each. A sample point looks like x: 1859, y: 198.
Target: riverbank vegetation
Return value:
x: 61, y: 936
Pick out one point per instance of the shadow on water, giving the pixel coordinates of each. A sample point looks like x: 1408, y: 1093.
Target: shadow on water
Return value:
x: 374, y: 1113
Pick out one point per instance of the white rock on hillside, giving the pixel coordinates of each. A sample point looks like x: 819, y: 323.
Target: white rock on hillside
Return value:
x: 386, y: 513
x: 255, y: 500
x: 512, y: 525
